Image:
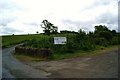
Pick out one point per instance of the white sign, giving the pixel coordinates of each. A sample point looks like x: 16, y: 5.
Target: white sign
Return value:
x: 60, y: 40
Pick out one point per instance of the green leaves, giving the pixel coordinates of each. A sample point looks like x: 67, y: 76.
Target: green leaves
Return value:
x: 48, y: 27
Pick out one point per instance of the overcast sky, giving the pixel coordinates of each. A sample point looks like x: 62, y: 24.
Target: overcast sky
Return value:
x: 25, y: 16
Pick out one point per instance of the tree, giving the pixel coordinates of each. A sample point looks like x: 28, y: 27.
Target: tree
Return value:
x: 49, y: 27
x: 106, y: 34
x: 37, y: 32
x: 103, y: 32
x: 66, y: 31
x: 113, y: 32
x: 80, y: 36
x: 101, y: 28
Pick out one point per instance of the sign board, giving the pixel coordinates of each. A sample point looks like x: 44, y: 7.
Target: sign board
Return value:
x: 60, y: 40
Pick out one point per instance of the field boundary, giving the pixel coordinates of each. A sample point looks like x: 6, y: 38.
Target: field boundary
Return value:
x: 37, y: 52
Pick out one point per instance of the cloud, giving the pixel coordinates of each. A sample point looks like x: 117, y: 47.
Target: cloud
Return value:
x: 100, y: 12
x: 26, y: 15
x: 107, y: 18
x: 119, y: 16
x: 7, y: 30
x: 76, y: 25
x: 6, y: 5
x: 6, y: 21
x: 32, y: 24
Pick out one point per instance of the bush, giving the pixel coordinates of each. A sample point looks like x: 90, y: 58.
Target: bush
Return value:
x: 114, y: 41
x: 106, y: 34
x: 101, y: 42
x: 71, y: 47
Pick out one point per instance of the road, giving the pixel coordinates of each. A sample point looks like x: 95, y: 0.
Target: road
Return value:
x: 12, y: 68
x: 101, y: 66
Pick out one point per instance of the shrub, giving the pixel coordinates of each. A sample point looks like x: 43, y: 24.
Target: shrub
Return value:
x: 114, y: 41
x: 71, y: 47
x: 106, y: 34
x: 101, y: 42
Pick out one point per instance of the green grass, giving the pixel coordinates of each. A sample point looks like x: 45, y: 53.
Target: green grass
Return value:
x: 98, y: 51
x: 10, y: 40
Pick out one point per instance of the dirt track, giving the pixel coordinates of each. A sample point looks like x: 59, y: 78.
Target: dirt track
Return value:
x: 102, y: 66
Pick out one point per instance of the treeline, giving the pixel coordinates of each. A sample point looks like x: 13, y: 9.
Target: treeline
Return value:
x: 80, y: 40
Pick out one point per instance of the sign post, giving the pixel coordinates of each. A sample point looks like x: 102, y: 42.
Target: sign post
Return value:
x: 60, y: 40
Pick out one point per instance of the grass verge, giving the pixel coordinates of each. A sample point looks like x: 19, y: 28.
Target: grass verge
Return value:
x: 98, y: 51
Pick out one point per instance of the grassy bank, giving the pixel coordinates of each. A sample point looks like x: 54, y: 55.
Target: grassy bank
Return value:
x: 98, y: 51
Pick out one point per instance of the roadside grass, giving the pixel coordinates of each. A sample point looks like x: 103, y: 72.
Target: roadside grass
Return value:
x: 98, y: 51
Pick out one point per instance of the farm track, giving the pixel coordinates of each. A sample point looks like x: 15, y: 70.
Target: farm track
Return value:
x: 101, y: 66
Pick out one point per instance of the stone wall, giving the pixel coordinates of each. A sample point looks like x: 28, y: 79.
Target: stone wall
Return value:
x: 43, y: 52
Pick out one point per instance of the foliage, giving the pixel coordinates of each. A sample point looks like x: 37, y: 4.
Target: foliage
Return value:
x: 81, y: 41
x: 101, y: 41
x: 66, y: 31
x: 48, y: 27
x: 105, y: 34
x: 101, y: 28
x: 114, y: 41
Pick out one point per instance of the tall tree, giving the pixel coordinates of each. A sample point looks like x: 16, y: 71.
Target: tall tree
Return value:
x: 113, y: 32
x: 103, y: 31
x: 101, y: 28
x: 49, y: 27
x: 106, y: 34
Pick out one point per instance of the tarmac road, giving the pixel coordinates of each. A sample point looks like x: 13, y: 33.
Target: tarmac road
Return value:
x: 12, y: 68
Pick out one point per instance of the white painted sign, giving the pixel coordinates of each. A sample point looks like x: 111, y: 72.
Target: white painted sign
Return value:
x: 60, y: 40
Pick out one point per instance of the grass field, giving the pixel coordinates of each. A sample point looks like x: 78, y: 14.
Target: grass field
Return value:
x: 10, y: 40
